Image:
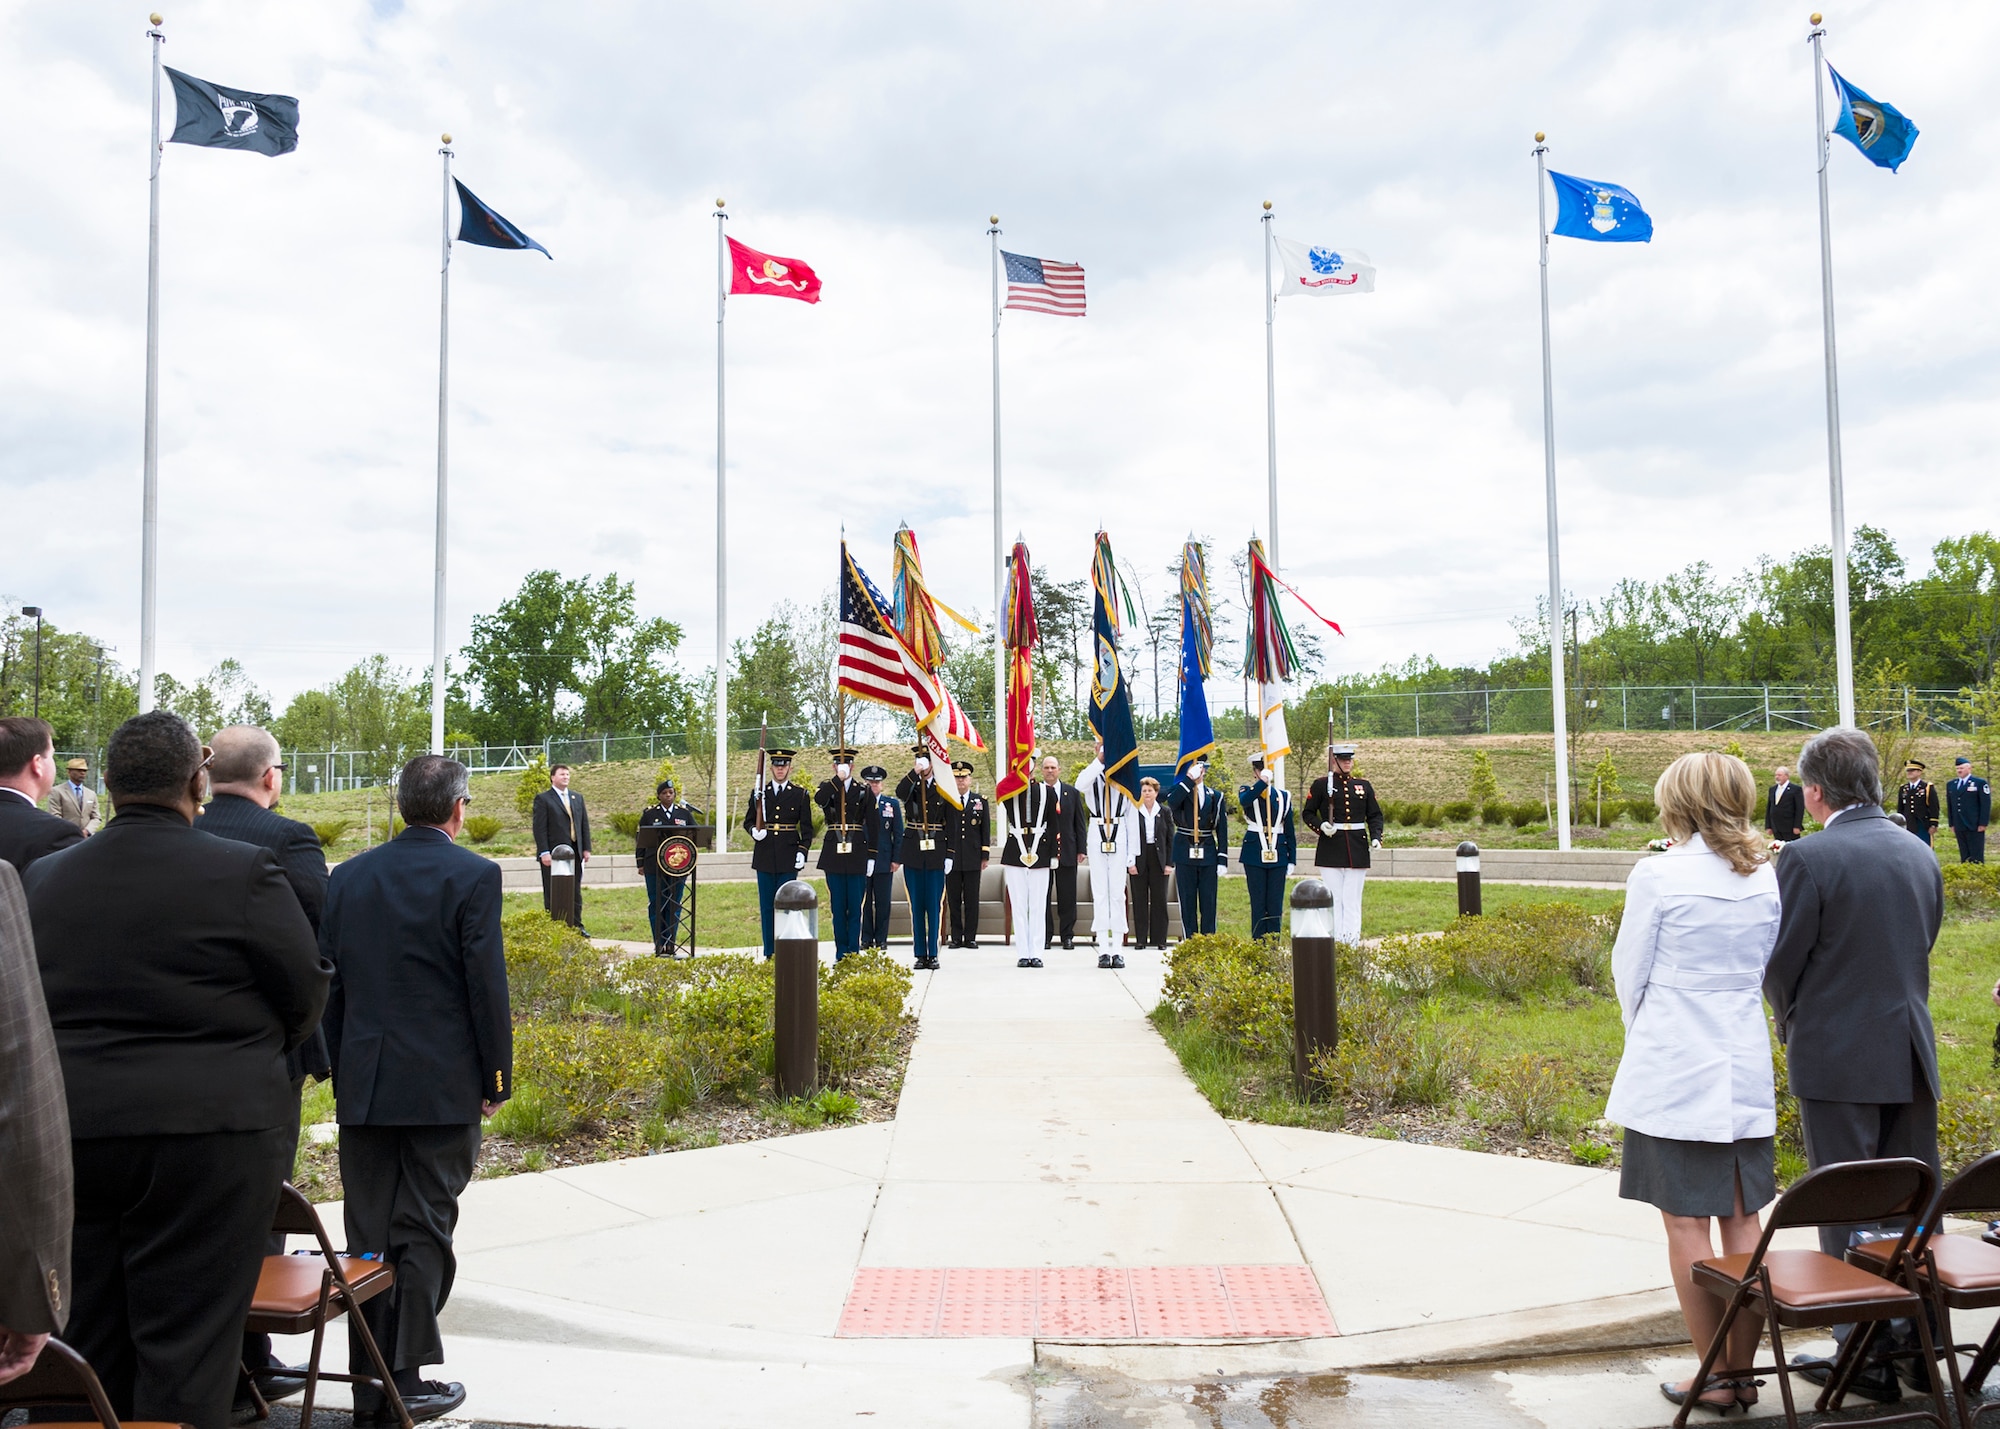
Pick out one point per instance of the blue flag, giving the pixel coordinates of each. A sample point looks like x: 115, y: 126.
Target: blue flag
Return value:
x: 1880, y: 131
x: 1110, y: 695
x: 1197, y: 734
x: 479, y: 224
x: 1601, y: 213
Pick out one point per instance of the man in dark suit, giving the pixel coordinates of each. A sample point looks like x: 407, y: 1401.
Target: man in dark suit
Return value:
x: 246, y: 775
x: 27, y: 773
x: 1969, y: 801
x: 1784, y: 808
x: 1069, y: 821
x: 34, y: 1149
x: 1849, y: 977
x: 179, y: 970
x: 561, y: 818
x: 423, y: 1047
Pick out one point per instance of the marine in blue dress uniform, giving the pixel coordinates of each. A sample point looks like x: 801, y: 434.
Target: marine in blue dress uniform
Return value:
x: 779, y: 819
x: 1201, y: 846
x: 1270, y: 847
x: 888, y: 858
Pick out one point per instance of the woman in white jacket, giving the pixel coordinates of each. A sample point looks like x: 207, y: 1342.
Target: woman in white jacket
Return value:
x: 1694, y: 1090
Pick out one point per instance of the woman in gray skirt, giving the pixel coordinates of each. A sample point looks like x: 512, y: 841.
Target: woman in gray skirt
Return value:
x: 1693, y: 1090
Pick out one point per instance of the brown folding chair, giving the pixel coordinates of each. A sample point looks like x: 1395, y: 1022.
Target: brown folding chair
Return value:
x: 1958, y: 1272
x: 1800, y: 1288
x: 296, y: 1293
x: 62, y: 1379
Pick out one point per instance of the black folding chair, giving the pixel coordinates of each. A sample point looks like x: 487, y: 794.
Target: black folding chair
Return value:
x: 1801, y: 1288
x: 62, y: 1379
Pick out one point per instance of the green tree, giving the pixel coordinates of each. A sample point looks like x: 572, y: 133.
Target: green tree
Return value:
x: 85, y: 692
x: 224, y: 696
x: 768, y: 683
x: 1959, y: 606
x: 1483, y: 788
x: 375, y: 706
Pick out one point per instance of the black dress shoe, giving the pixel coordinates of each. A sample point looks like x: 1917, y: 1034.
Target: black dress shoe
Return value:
x: 1104, y: 960
x: 1876, y: 1382
x: 1069, y: 944
x: 1118, y: 960
x: 275, y: 1387
x: 431, y: 1399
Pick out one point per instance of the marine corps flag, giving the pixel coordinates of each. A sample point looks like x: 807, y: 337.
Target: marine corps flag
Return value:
x: 1110, y: 695
x: 754, y: 272
x: 1017, y: 770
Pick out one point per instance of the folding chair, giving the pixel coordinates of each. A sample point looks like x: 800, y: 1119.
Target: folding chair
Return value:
x: 296, y: 1293
x: 62, y: 1379
x: 1958, y: 1272
x: 1799, y: 1288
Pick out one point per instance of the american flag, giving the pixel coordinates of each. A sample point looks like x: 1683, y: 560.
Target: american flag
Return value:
x: 1042, y: 285
x: 875, y: 664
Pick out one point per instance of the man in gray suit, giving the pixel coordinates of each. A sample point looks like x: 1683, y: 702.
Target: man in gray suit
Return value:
x: 36, y: 1189
x: 1849, y: 978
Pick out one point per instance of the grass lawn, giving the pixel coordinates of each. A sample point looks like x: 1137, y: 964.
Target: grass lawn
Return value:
x: 726, y: 916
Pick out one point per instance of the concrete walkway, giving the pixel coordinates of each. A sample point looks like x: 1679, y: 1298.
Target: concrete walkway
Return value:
x: 1043, y: 1124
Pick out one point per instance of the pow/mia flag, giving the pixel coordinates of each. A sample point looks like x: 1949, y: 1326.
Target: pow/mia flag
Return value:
x: 218, y: 118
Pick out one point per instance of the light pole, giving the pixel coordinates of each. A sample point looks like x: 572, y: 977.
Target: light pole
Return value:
x: 36, y: 611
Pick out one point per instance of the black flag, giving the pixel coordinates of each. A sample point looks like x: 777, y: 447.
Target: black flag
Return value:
x: 218, y: 118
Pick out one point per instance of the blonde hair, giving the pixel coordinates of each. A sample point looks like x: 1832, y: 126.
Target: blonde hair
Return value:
x: 1713, y: 795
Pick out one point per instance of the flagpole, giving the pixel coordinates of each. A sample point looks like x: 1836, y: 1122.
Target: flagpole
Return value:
x: 1270, y: 385
x: 721, y: 544
x: 149, y: 501
x: 1001, y: 752
x: 444, y: 376
x: 1843, y: 639
x: 1558, y: 695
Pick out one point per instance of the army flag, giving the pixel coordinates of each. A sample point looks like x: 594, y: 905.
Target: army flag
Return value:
x: 1110, y: 694
x: 754, y: 272
x: 1023, y: 634
x: 1197, y: 650
x: 1319, y: 270
x: 1882, y: 132
x: 216, y: 117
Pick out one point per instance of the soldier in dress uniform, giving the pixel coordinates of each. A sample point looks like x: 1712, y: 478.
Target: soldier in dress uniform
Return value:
x: 848, y: 855
x: 1968, y: 806
x: 1270, y: 847
x: 663, y: 890
x: 1917, y: 801
x: 926, y: 853
x: 1344, y: 810
x: 1028, y: 841
x: 1201, y: 846
x: 779, y: 818
x: 888, y: 858
x: 1104, y: 808
x: 969, y: 833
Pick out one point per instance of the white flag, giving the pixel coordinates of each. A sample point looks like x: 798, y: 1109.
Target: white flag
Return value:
x: 1318, y: 270
x: 1271, y: 729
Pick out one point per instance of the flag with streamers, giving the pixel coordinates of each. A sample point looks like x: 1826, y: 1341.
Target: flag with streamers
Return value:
x: 1023, y: 635
x: 915, y: 609
x: 1110, y: 695
x: 1269, y: 657
x: 1197, y: 654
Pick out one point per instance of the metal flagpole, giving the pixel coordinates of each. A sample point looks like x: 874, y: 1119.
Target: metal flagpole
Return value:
x: 444, y: 374
x: 1558, y: 695
x: 1270, y: 385
x: 1843, y: 639
x: 721, y: 546
x: 1001, y: 752
x: 149, y: 502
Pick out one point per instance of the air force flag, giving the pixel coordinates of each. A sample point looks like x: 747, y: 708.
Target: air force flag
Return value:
x: 1880, y: 131
x: 1319, y: 269
x: 1601, y: 213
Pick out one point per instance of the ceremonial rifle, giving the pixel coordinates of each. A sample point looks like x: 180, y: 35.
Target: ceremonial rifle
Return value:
x: 763, y: 732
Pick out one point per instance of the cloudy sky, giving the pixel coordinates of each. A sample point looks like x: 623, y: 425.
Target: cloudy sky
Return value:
x: 299, y: 311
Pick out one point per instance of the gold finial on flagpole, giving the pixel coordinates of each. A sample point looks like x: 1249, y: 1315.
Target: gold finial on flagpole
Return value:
x: 444, y: 138
x: 155, y: 18
x: 993, y: 218
x: 1540, y: 137
x: 1815, y: 18
x: 1267, y: 205
x: 718, y: 203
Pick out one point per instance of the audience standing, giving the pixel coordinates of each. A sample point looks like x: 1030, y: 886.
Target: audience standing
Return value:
x: 1784, y: 808
x: 27, y: 773
x: 423, y: 1047
x: 1969, y: 800
x: 1849, y: 979
x: 74, y: 801
x: 1694, y: 1088
x: 36, y: 1189
x: 561, y: 818
x: 178, y: 970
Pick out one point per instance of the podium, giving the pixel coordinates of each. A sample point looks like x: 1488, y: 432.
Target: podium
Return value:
x: 674, y: 854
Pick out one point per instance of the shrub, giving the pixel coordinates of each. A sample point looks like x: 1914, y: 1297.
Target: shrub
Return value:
x: 1459, y: 811
x: 1236, y: 989
x: 1972, y: 887
x: 584, y: 1073
x: 1968, y: 1128
x: 1388, y: 1055
x: 626, y: 824
x: 533, y: 780
x: 1607, y: 813
x: 482, y: 828
x: 1506, y: 954
x: 1482, y: 788
x: 1521, y: 815
x: 1642, y: 811
x: 1494, y: 812
x: 722, y: 1022
x: 875, y: 978
x: 1409, y: 815
x: 551, y: 968
x: 1529, y: 1092
x: 329, y: 831
x: 1432, y: 816
x: 854, y: 1035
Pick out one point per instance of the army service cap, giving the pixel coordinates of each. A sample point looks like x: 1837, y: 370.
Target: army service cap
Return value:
x: 844, y: 755
x: 782, y: 756
x: 1916, y: 764
x: 874, y: 772
x: 961, y: 766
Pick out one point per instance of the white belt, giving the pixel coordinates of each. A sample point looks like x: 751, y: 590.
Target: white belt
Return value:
x: 1338, y: 827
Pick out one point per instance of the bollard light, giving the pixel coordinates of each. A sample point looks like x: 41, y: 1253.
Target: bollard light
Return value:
x: 1470, y: 904
x: 795, y: 1010
x: 562, y: 883
x: 1315, y: 999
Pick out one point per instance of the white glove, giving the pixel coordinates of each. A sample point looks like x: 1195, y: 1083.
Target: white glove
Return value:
x: 871, y: 868
x: 1374, y: 843
x: 800, y: 856
x: 947, y: 865
x: 758, y: 834
x: 1327, y: 828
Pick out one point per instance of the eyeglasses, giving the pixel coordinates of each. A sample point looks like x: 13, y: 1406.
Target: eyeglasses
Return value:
x: 207, y: 758
x: 281, y: 767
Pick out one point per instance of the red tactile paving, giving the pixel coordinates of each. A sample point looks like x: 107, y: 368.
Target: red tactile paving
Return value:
x: 1089, y: 1302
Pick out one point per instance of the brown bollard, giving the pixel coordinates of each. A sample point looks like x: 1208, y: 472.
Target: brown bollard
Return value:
x: 562, y: 883
x: 1470, y: 904
x: 1315, y: 999
x: 795, y: 936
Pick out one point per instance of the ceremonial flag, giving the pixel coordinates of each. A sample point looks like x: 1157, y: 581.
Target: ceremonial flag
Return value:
x: 1110, y: 695
x: 1042, y: 285
x: 1601, y: 213
x: 1269, y: 657
x: 1023, y: 635
x: 219, y: 118
x: 1882, y: 132
x: 1197, y: 648
x: 915, y: 609
x: 754, y: 272
x: 481, y: 225
x: 875, y: 664
x: 1312, y: 269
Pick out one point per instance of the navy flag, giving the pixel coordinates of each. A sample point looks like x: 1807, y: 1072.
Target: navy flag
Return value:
x: 479, y: 224
x: 1110, y: 694
x: 1601, y: 213
x: 218, y: 118
x: 1882, y: 132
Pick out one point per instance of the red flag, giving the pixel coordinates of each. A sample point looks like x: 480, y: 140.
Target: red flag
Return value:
x: 754, y: 272
x: 1023, y: 634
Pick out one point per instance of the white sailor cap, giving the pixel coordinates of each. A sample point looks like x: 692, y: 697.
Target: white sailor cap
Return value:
x: 1342, y: 751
